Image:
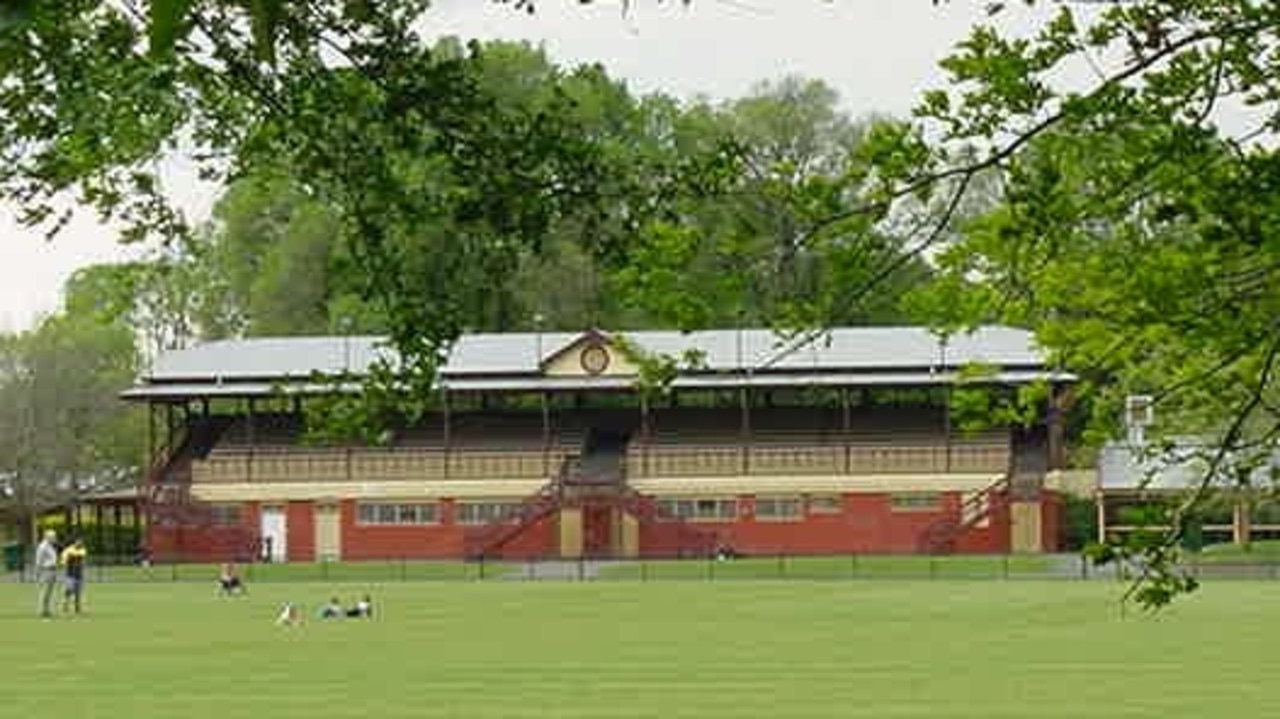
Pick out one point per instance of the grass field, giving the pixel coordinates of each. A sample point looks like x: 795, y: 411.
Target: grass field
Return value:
x: 890, y: 648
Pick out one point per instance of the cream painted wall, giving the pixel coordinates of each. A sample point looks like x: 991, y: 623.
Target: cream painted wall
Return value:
x: 569, y: 362
x: 518, y: 488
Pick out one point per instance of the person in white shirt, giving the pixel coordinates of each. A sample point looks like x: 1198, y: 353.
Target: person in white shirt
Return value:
x: 47, y: 571
x: 363, y: 608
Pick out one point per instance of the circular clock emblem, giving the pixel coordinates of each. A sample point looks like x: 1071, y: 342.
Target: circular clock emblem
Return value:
x: 595, y: 359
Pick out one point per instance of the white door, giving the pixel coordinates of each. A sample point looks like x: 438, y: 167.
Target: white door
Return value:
x: 273, y: 534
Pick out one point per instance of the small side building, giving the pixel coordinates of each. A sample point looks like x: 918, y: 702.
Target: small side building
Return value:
x: 1135, y: 487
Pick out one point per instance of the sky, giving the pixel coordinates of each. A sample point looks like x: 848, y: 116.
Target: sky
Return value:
x: 878, y: 54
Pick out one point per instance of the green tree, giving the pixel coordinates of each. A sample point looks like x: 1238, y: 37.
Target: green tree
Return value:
x: 63, y: 430
x: 1136, y: 235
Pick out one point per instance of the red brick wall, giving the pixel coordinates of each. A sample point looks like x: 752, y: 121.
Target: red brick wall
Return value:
x: 865, y: 524
x: 992, y: 539
x: 206, y: 544
x: 433, y: 541
x: 300, y: 531
x: 541, y: 539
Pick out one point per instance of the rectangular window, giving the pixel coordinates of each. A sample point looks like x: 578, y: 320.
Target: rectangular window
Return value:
x: 225, y: 515
x: 824, y: 504
x: 397, y: 514
x: 915, y: 502
x: 777, y: 508
x: 486, y: 512
x: 700, y: 510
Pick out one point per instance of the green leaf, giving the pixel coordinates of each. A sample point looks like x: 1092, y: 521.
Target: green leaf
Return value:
x: 167, y: 20
x: 265, y: 16
x: 13, y: 12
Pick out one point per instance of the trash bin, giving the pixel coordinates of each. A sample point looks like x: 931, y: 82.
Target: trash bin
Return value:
x: 13, y: 557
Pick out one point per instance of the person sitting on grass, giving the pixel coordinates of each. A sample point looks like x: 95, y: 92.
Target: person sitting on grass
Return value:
x: 289, y: 615
x: 332, y: 610
x: 363, y: 608
x: 229, y: 581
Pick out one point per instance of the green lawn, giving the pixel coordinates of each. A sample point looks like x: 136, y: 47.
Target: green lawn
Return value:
x: 672, y: 649
x: 1260, y: 552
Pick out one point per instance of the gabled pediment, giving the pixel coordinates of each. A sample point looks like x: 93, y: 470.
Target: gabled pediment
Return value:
x: 592, y: 354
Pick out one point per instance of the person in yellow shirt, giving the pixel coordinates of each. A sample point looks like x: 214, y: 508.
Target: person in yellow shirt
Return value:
x: 72, y: 561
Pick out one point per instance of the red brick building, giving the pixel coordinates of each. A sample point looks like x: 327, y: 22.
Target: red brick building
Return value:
x: 541, y: 445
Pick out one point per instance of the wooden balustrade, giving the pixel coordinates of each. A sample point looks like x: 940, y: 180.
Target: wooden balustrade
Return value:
x: 826, y: 459
x: 336, y: 465
x: 821, y: 459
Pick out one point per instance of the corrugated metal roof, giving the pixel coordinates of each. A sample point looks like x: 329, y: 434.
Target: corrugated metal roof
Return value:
x: 179, y: 390
x: 859, y: 349
x: 1121, y: 467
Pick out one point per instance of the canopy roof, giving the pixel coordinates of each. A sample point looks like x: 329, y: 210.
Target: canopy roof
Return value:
x: 518, y: 362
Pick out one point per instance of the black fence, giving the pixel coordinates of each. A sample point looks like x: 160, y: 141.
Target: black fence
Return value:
x: 1062, y: 567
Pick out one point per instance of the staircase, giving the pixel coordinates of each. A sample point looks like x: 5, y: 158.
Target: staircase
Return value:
x: 170, y: 506
x: 491, y: 538
x: 941, y: 536
x: 692, y: 540
x: 596, y: 479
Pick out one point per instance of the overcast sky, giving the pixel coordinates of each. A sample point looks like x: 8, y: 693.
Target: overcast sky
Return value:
x: 879, y: 54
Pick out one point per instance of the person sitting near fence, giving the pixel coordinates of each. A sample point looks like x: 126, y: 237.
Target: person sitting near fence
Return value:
x: 363, y: 608
x: 332, y: 610
x: 229, y: 580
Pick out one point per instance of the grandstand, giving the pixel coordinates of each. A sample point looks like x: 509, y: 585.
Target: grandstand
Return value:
x: 541, y: 445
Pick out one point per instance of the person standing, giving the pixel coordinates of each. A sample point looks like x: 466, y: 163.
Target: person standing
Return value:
x: 73, y: 563
x: 47, y: 571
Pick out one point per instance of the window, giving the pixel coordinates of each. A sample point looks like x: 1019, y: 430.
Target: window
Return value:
x: 824, y: 504
x: 915, y: 502
x: 486, y: 512
x: 225, y: 515
x: 777, y: 508
x: 706, y: 510
x: 392, y: 514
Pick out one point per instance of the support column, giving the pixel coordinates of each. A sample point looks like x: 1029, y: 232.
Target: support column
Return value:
x: 445, y: 429
x: 546, y: 434
x: 744, y: 397
x: 115, y: 530
x: 644, y: 435
x: 151, y: 437
x: 1101, y: 500
x: 144, y: 491
x: 946, y: 426
x: 845, y: 429
x: 1241, y: 522
x: 249, y: 436
x: 97, y: 523
x: 571, y: 542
